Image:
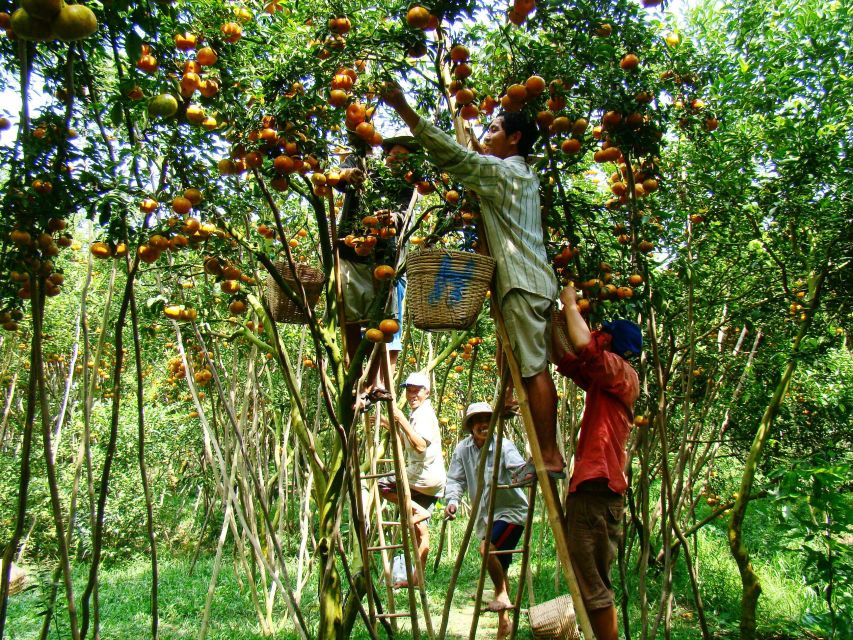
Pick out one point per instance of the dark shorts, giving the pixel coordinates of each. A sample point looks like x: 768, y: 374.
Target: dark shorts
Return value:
x: 505, y: 536
x: 421, y: 499
x: 594, y: 519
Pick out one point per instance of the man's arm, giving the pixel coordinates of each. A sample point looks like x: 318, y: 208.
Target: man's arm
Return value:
x: 579, y: 334
x: 478, y: 172
x: 418, y: 443
x: 456, y: 484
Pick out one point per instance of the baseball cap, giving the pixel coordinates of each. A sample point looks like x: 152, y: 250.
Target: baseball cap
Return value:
x: 417, y: 379
x: 475, y: 408
x: 627, y: 338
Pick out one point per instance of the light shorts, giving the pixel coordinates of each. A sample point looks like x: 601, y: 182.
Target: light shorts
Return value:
x: 527, y: 317
x: 359, y: 289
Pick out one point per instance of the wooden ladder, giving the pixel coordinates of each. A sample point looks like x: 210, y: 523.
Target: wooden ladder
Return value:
x: 524, y: 549
x: 387, y: 543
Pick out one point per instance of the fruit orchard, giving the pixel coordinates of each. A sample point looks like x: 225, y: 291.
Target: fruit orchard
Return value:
x: 161, y: 160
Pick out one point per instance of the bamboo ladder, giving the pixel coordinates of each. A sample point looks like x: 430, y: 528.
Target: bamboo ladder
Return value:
x: 385, y: 543
x: 524, y: 549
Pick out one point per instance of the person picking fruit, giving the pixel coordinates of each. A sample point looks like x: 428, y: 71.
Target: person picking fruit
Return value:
x: 596, y: 499
x: 508, y: 189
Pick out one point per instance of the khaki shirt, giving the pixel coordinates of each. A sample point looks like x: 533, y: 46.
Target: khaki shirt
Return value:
x: 509, y: 201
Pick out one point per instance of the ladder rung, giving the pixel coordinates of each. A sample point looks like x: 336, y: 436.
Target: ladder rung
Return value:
x: 393, y: 615
x: 371, y: 476
x: 390, y: 524
x: 384, y: 460
x: 517, y: 485
x: 385, y: 547
x: 505, y: 552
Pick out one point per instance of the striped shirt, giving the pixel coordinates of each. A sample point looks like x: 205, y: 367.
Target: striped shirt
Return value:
x: 509, y: 201
x: 510, y: 504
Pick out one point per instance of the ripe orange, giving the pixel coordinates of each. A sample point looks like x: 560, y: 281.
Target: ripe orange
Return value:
x: 459, y: 53
x: 148, y: 254
x: 469, y: 112
x: 185, y: 41
x: 232, y: 32
x: 383, y: 272
x: 635, y: 279
x: 517, y: 92
x: 206, y: 57
x: 194, y: 196
x: 462, y: 70
x: 418, y: 17
x: 571, y: 146
x: 100, y: 250
x: 544, y: 119
x: 464, y: 96
x: 535, y: 85
x: 355, y: 114
x: 181, y: 205
x: 611, y: 119
x: 338, y: 97
x: 451, y: 197
x: 237, y: 308
x: 364, y: 131
x: 580, y: 126
x: 629, y: 62
x: 389, y: 326
x: 195, y: 114
x: 374, y: 335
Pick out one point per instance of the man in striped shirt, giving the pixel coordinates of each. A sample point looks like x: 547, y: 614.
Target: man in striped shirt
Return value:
x: 526, y: 287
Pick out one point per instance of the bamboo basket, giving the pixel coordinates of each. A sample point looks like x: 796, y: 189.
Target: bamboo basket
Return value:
x: 560, y: 333
x: 282, y: 308
x: 554, y: 620
x: 447, y: 288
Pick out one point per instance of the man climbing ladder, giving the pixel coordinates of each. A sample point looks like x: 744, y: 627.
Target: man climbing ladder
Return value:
x: 526, y: 287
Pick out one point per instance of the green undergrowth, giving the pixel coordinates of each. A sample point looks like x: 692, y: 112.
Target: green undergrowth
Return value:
x: 125, y: 588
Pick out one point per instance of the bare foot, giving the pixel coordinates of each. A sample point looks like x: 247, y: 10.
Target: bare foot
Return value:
x: 504, y: 627
x: 500, y: 603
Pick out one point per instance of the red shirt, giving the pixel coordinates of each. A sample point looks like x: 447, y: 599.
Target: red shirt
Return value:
x: 612, y: 387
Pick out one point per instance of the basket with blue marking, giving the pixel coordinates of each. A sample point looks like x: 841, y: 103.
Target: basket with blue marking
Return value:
x: 446, y: 287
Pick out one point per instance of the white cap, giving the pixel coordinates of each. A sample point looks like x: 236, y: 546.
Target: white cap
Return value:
x: 476, y: 408
x: 417, y: 379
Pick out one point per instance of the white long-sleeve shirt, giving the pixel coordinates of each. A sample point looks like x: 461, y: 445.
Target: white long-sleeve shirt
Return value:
x: 510, y: 504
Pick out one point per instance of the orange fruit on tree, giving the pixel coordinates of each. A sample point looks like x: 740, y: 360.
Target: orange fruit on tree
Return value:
x: 571, y: 146
x: 193, y: 195
x: 374, y: 335
x: 208, y: 88
x: 100, y: 250
x: 186, y: 41
x: 629, y: 62
x: 469, y: 112
x: 148, y: 254
x: 535, y: 85
x: 195, y: 114
x: 580, y: 126
x: 464, y: 96
x: 383, y: 272
x: 517, y: 92
x: 418, y: 17
x: 635, y: 279
x: 459, y: 53
x: 389, y: 326
x: 232, y: 32
x: 462, y: 70
x: 355, y: 114
x: 545, y: 119
x: 237, y: 308
x: 365, y: 131
x: 206, y: 57
x: 181, y: 205
x: 338, y: 97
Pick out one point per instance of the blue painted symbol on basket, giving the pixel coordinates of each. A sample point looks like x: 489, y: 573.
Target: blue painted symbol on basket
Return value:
x: 455, y: 281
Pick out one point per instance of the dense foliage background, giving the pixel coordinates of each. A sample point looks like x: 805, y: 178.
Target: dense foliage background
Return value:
x: 155, y: 421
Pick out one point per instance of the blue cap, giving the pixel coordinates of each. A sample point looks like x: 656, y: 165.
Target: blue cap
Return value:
x: 627, y: 338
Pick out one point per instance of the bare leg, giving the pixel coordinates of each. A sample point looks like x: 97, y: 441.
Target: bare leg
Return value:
x: 373, y: 374
x: 542, y: 398
x: 604, y: 624
x: 353, y: 337
x: 420, y: 521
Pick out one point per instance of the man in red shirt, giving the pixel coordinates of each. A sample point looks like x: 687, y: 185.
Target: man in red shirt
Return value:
x: 596, y: 492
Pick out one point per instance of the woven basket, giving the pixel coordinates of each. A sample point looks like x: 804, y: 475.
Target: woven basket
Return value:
x: 554, y: 620
x: 560, y: 333
x: 447, y: 288
x: 282, y: 308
